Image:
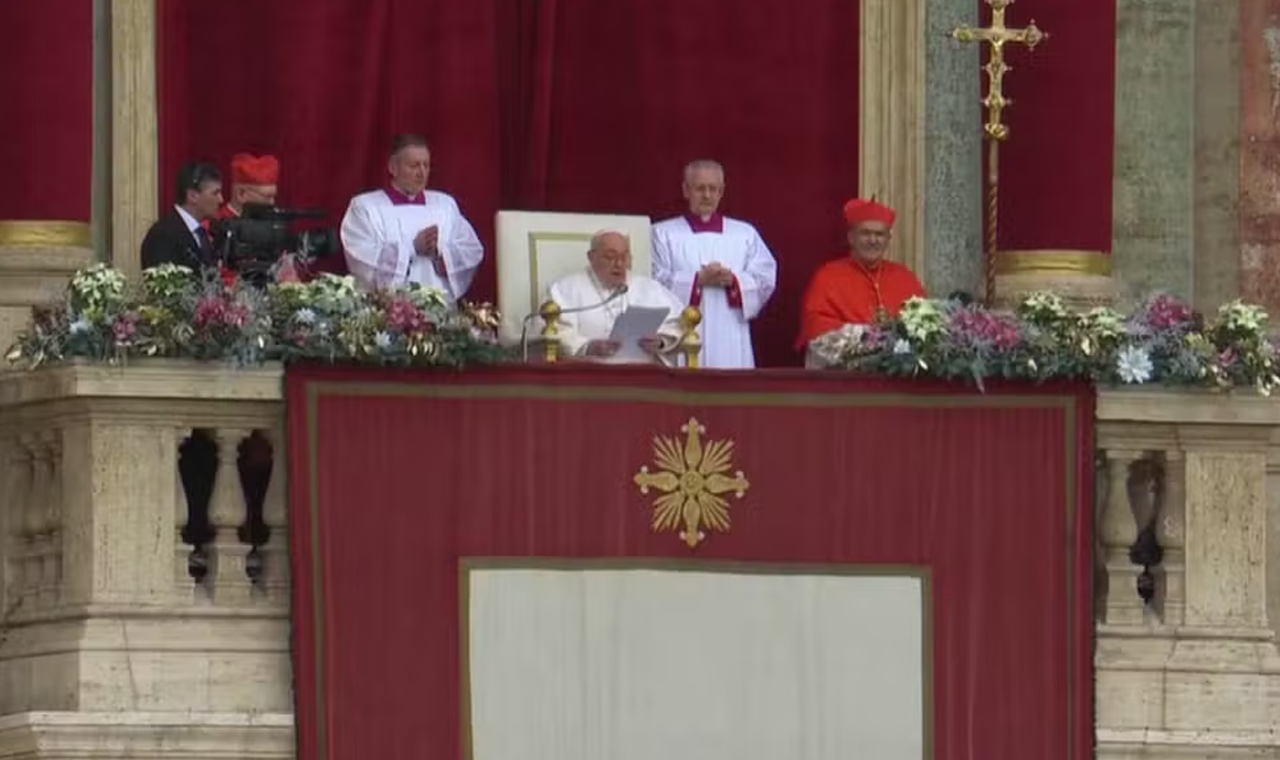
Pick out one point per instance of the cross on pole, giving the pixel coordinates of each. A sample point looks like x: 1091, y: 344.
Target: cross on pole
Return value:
x: 996, y: 37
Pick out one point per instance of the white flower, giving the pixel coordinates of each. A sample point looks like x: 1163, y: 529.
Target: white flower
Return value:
x: 1133, y: 365
x: 425, y: 296
x: 1242, y: 317
x: 921, y: 318
x: 382, y: 340
x: 902, y: 346
x: 166, y: 270
x: 79, y: 326
x: 1044, y: 303
x: 305, y: 316
x: 1103, y: 322
x: 98, y: 284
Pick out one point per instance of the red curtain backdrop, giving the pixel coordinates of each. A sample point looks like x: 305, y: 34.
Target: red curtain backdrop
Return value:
x: 46, y: 88
x: 1056, y: 168
x: 397, y: 477
x: 567, y: 105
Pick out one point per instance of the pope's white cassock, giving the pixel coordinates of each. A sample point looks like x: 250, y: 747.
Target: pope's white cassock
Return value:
x: 378, y: 232
x: 583, y: 290
x: 682, y: 246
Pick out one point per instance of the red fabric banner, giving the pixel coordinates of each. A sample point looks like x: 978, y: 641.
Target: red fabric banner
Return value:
x: 46, y: 86
x: 1056, y: 168
x: 399, y: 477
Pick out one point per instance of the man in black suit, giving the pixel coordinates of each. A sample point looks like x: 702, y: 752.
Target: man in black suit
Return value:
x: 179, y: 236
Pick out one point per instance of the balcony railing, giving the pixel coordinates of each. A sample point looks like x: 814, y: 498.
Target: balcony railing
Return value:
x: 127, y: 621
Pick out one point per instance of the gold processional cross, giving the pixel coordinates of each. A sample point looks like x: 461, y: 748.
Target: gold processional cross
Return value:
x: 996, y: 36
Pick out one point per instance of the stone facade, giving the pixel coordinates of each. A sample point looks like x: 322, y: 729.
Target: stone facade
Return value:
x: 109, y: 647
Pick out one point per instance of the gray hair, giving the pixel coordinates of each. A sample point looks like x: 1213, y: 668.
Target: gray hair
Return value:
x: 599, y: 236
x: 702, y: 163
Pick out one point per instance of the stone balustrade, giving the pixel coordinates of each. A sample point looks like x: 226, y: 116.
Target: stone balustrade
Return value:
x: 119, y: 638
x: 112, y: 626
x: 1188, y: 594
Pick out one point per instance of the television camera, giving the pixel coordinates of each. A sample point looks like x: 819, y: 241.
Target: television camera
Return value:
x: 252, y: 243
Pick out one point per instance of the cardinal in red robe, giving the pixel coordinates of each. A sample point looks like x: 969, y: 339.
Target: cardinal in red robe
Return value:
x: 862, y: 287
x: 254, y: 179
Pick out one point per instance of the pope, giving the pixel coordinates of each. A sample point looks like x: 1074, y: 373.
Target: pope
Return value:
x: 860, y: 288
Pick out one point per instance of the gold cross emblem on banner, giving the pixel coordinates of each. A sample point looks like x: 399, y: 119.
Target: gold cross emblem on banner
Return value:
x: 997, y: 35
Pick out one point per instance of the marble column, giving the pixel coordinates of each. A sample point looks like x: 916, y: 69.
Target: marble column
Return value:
x: 1155, y: 142
x: 1260, y: 164
x: 953, y: 152
x: 1217, y: 145
x: 134, y: 143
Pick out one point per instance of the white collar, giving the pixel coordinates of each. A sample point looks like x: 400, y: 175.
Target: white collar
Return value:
x: 192, y: 223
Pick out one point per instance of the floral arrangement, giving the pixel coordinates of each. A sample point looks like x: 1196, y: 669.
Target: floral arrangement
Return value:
x: 177, y: 312
x: 1162, y: 341
x: 174, y: 311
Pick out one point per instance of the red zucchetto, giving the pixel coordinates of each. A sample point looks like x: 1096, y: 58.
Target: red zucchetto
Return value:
x: 248, y: 169
x: 858, y: 211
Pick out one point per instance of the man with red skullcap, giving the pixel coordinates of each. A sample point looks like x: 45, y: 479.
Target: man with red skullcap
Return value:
x: 254, y: 179
x: 862, y: 287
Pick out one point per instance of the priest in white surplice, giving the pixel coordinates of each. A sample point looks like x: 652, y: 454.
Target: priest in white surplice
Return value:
x: 718, y: 264
x: 586, y: 333
x: 407, y: 233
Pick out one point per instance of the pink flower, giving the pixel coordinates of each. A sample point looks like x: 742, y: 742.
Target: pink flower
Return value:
x: 1165, y: 312
x: 404, y: 316
x: 1228, y: 358
x: 124, y: 327
x: 999, y: 330
x: 216, y: 311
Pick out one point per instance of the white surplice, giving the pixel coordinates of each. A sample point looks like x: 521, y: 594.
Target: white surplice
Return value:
x: 582, y: 290
x: 377, y: 237
x: 679, y: 253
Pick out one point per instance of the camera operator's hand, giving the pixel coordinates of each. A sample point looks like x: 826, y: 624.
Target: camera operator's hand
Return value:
x: 427, y: 241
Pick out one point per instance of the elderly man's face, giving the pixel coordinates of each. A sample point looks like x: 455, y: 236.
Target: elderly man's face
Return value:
x: 410, y: 169
x: 610, y: 260
x: 704, y: 189
x: 868, y: 240
x: 265, y: 194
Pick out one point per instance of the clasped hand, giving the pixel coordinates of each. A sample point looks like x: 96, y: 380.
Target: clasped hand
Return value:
x: 426, y: 243
x: 715, y: 275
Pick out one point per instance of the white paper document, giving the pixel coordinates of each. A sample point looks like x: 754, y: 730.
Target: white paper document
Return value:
x: 632, y: 325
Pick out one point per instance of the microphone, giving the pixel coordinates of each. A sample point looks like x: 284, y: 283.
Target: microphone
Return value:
x: 618, y: 292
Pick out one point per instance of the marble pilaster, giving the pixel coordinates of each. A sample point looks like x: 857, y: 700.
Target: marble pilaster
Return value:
x: 1260, y: 148
x: 134, y: 143
x: 953, y: 153
x: 1217, y: 153
x: 891, y: 139
x: 1155, y: 142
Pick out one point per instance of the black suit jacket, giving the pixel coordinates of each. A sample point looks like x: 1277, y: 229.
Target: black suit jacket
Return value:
x: 170, y: 242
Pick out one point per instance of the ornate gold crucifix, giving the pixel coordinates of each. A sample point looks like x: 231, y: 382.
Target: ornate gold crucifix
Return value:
x: 996, y: 36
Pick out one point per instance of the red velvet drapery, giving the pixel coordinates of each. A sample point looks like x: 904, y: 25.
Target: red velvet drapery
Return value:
x: 581, y: 105
x: 397, y: 477
x: 1057, y: 167
x: 46, y: 110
